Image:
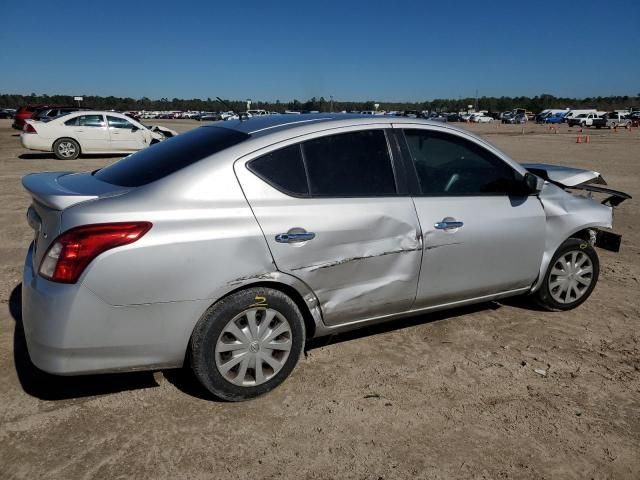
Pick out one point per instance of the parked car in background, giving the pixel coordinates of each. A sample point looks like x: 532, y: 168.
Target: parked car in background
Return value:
x: 7, y: 113
x: 543, y: 115
x: 617, y: 119
x: 481, y: 118
x: 23, y: 113
x: 587, y: 120
x: 515, y: 118
x: 574, y: 113
x: 70, y: 135
x: 236, y: 243
x: 47, y: 113
x: 555, y: 118
x: 506, y: 117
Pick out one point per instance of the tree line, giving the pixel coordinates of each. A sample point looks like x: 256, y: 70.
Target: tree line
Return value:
x: 492, y: 104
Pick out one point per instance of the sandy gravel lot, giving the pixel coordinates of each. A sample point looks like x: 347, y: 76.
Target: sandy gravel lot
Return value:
x: 449, y: 395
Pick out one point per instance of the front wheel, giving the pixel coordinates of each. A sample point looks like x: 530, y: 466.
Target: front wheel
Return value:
x: 571, y: 277
x: 247, y: 344
x: 66, y: 149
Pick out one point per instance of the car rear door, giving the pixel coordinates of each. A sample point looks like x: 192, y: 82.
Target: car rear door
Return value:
x: 480, y: 238
x: 335, y: 216
x: 90, y: 131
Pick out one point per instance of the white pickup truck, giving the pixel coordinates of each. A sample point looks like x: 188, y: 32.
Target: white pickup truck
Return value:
x: 587, y: 120
x: 618, y: 120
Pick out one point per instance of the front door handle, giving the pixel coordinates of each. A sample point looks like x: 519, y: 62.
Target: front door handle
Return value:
x: 448, y: 224
x: 295, y: 237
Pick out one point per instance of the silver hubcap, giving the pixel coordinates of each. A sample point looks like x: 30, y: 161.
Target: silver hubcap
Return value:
x: 66, y: 149
x: 570, y: 277
x: 253, y: 347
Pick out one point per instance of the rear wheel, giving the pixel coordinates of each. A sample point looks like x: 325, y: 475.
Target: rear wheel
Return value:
x: 66, y: 149
x: 571, y: 277
x: 247, y: 344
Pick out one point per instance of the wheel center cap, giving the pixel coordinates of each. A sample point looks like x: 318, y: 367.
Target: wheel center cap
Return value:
x: 254, y: 347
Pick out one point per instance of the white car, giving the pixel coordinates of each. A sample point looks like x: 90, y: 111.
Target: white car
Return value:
x: 481, y: 119
x: 67, y: 136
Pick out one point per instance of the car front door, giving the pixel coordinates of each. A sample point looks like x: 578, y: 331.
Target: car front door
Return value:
x: 124, y: 135
x: 482, y: 234
x: 335, y: 217
x: 91, y: 132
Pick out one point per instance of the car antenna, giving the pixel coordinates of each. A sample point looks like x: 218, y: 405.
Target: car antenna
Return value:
x: 241, y: 115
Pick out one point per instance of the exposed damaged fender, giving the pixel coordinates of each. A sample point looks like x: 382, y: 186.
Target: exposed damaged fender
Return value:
x: 164, y: 131
x: 567, y: 214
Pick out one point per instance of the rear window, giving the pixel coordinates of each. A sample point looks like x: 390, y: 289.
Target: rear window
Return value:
x: 169, y: 156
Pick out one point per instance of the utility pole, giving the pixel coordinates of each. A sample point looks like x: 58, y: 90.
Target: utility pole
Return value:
x: 476, y: 100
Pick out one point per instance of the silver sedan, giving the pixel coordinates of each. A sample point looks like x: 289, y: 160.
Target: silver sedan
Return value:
x: 228, y: 246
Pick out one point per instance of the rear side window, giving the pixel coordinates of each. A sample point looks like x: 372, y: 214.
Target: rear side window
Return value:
x: 283, y: 169
x: 169, y: 156
x: 449, y: 165
x: 86, y: 121
x: 353, y: 164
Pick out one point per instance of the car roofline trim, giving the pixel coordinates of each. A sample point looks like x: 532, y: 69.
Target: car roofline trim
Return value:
x: 280, y: 125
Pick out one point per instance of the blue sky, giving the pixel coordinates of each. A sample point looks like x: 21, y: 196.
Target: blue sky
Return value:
x: 353, y: 50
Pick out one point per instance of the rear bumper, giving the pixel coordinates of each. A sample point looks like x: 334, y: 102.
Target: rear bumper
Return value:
x: 33, y: 141
x: 70, y: 331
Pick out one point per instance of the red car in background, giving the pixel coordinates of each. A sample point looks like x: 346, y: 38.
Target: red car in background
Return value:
x: 23, y: 113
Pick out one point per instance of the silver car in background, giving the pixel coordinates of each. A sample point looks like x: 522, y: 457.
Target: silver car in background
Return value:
x: 228, y: 246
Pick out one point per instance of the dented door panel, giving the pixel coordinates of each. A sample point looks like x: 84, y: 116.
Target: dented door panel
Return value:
x: 364, y: 258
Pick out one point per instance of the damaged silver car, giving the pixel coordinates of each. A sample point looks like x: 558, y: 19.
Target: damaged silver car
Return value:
x: 226, y: 247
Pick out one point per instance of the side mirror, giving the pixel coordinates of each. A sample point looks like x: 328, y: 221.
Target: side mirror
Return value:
x: 533, y: 182
x: 134, y: 128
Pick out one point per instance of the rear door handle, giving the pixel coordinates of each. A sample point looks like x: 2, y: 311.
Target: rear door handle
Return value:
x: 448, y: 225
x: 295, y: 237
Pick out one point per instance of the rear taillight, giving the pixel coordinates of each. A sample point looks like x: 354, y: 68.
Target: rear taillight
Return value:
x: 28, y: 128
x: 71, y: 252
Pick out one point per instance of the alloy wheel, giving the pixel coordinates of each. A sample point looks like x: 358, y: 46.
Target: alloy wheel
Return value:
x: 66, y: 149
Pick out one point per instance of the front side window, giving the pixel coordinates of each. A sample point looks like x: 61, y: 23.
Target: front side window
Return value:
x: 355, y: 164
x: 448, y: 165
x: 115, y: 122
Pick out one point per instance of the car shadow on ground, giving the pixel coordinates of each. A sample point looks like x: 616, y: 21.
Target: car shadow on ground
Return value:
x: 51, y: 156
x: 44, y: 386
x: 419, y: 319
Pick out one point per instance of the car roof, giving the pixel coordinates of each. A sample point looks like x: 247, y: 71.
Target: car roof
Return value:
x: 267, y: 124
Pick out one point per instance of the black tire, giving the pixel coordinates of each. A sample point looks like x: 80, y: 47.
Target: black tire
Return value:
x: 210, y: 327
x: 544, y: 295
x: 66, y: 149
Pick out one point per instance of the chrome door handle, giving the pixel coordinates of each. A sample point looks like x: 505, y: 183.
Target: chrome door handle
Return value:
x: 295, y: 237
x: 448, y: 225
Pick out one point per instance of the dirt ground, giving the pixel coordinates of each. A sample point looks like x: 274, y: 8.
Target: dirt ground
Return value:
x: 448, y: 395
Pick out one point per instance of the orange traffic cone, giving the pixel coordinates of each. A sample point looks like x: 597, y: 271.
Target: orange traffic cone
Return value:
x: 588, y: 139
x: 579, y: 138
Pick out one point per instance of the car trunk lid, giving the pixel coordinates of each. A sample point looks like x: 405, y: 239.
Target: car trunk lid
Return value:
x: 52, y: 193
